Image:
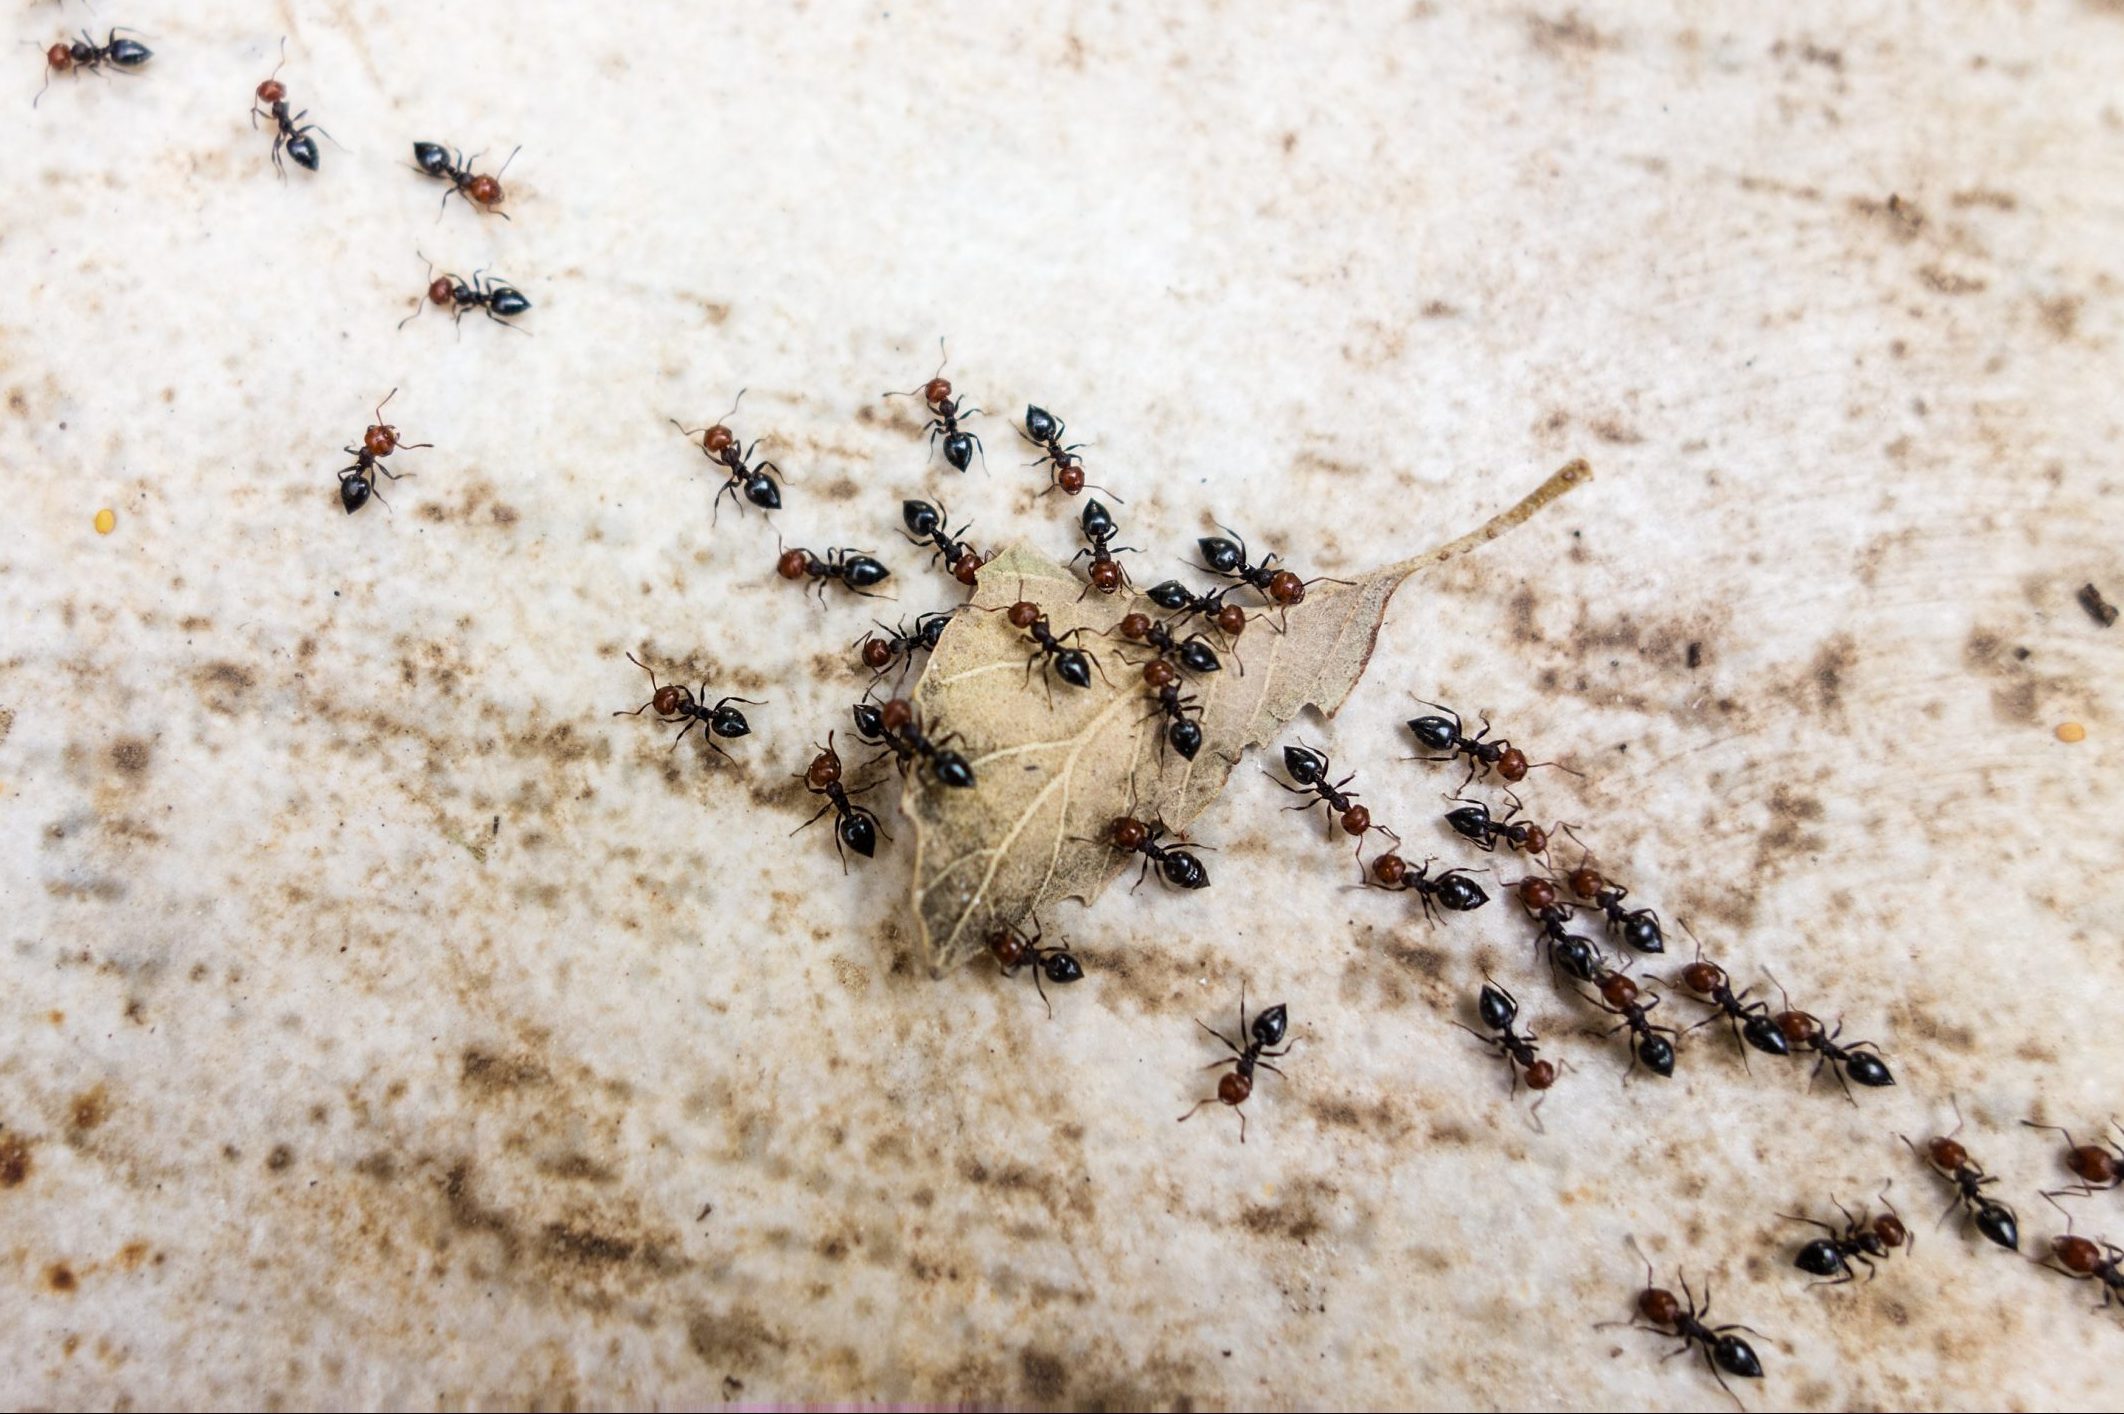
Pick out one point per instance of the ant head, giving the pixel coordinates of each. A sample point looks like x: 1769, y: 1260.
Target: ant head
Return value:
x: 1231, y: 619
x: 1008, y: 946
x: 896, y: 714
x: 1135, y: 627
x: 877, y: 653
x: 1286, y: 588
x: 1070, y: 478
x: 791, y: 564
x: 1023, y: 614
x: 1390, y: 870
x: 1130, y: 833
x: 825, y: 768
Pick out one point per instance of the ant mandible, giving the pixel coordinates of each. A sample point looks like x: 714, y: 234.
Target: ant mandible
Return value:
x: 1105, y: 573
x: 852, y: 568
x: 1499, y: 1009
x: 675, y: 703
x: 449, y: 164
x: 925, y: 524
x: 1451, y: 890
x: 84, y: 54
x: 1856, y: 1061
x: 896, y: 727
x: 1993, y: 1219
x: 1863, y: 1239
x: 2093, y: 1165
x: 1640, y: 929
x: 1234, y: 1088
x: 358, y: 482
x: 1176, y: 866
x: 899, y: 645
x: 855, y: 826
x: 1012, y: 949
x: 499, y: 300
x: 945, y: 413
x: 755, y: 480
x: 1661, y: 1312
x: 1176, y: 598
x: 292, y: 135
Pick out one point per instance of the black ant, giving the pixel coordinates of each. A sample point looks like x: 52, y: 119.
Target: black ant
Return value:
x: 925, y: 524
x: 499, y: 300
x: 1663, y: 1313
x: 853, y: 568
x: 895, y: 727
x: 1176, y: 598
x: 1178, y: 867
x: 449, y: 164
x: 1618, y: 996
x: 1474, y: 823
x: 944, y: 415
x: 1066, y: 470
x: 1751, y: 1022
x: 1104, y: 573
x: 1445, y: 734
x: 1499, y: 1009
x: 1073, y: 665
x: 879, y: 653
x: 1863, y: 1239
x: 1951, y: 1161
x: 1575, y: 955
x: 126, y: 55
x: 1640, y: 929
x: 756, y: 481
x: 674, y: 703
x: 2083, y: 1260
x: 1183, y: 732
x: 1234, y: 1088
x: 1451, y: 890
x: 1193, y: 653
x: 1012, y: 950
x: 2093, y: 1165
x: 1228, y: 558
x: 855, y: 826
x: 292, y: 135
x: 358, y: 482
x: 1311, y: 769
x: 1857, y: 1060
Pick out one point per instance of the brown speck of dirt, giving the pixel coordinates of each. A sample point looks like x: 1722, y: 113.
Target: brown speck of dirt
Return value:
x: 60, y: 1277
x: 90, y: 1109
x: 14, y: 1160
x: 1947, y: 282
x: 1833, y: 661
x: 1046, y: 1377
x: 131, y: 755
x: 2099, y: 609
x: 2061, y: 316
x: 1568, y: 33
x: 733, y: 1340
x: 280, y: 1158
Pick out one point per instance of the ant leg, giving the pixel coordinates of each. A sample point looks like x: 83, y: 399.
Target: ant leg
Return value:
x: 808, y: 823
x: 691, y: 723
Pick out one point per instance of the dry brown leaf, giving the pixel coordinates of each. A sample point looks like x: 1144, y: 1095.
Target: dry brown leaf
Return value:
x: 1053, y: 770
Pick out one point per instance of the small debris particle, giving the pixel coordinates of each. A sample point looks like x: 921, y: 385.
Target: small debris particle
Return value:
x: 2099, y: 609
x: 2071, y: 732
x: 107, y: 521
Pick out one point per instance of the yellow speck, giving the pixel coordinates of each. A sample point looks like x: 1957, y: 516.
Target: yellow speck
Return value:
x: 2071, y: 732
x: 106, y: 521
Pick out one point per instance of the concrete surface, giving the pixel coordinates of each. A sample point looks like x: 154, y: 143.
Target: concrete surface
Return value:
x: 385, y: 1023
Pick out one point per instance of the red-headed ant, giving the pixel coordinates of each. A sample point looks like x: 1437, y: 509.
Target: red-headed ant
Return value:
x: 2083, y: 1260
x: 1104, y: 573
x: 945, y: 413
x: 674, y: 703
x: 1066, y: 471
x: 895, y: 727
x: 1451, y: 890
x: 925, y: 524
x: 2095, y: 1166
x: 1267, y: 1030
x: 1856, y: 1061
x: 754, y: 480
x: 1640, y: 929
x: 293, y: 136
x: 85, y: 54
x: 1176, y: 866
x: 1474, y: 823
x: 499, y: 300
x: 1951, y: 1161
x: 855, y: 826
x: 1176, y: 598
x: 485, y: 192
x: 1445, y: 734
x: 852, y: 568
x: 1499, y: 1009
x: 889, y: 646
x: 1012, y: 950
x: 1618, y: 996
x: 1228, y: 558
x: 1073, y: 665
x: 1575, y: 955
x: 1751, y: 1022
x: 1863, y: 1239
x: 1311, y: 769
x: 1193, y: 653
x: 358, y: 482
x: 1660, y: 1311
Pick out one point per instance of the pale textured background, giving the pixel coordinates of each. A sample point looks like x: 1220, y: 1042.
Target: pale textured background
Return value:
x: 319, y: 1087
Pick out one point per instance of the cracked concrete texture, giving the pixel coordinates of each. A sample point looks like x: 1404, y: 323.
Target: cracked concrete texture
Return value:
x: 385, y: 1023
